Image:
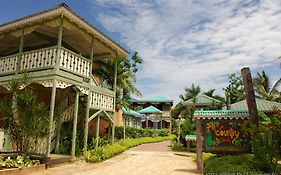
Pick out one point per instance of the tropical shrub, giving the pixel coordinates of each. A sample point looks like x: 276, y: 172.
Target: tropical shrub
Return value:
x: 24, y: 119
x: 265, y: 142
x: 176, y: 146
x: 18, y: 162
x: 231, y: 164
x: 131, y: 132
x: 107, y: 151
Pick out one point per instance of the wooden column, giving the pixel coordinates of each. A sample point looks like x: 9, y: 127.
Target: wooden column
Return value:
x: 86, y: 127
x: 146, y: 122
x: 199, y: 146
x: 113, y: 132
x: 114, y: 102
x: 91, y: 58
x: 20, y: 51
x: 75, y: 124
x: 51, y: 115
x: 97, y: 131
x: 170, y: 129
x: 59, y: 44
x: 124, y: 127
x: 58, y: 128
x: 250, y: 94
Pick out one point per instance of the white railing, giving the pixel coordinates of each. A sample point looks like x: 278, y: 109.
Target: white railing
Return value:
x: 38, y: 59
x: 8, y: 64
x: 74, y: 62
x: 166, y: 113
x: 101, y: 101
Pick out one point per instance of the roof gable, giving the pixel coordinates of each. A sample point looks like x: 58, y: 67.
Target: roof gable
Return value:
x: 64, y: 10
x: 202, y: 100
x: 262, y: 105
x: 150, y: 110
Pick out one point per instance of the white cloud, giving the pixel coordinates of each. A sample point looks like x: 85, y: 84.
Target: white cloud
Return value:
x: 184, y: 42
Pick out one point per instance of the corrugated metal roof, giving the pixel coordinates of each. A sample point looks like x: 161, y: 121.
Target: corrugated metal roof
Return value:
x: 19, y: 23
x: 262, y: 105
x: 150, y: 110
x: 221, y: 114
x: 157, y: 99
x: 131, y: 112
x: 202, y: 100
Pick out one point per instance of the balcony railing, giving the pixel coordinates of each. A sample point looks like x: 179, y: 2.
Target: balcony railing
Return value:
x: 101, y: 101
x: 45, y: 59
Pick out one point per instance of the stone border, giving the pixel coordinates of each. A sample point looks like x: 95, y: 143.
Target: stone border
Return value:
x: 23, y: 171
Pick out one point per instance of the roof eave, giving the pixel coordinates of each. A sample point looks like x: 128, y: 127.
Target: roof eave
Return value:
x: 62, y: 9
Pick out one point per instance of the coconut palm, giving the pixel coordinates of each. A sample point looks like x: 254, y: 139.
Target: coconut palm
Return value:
x: 126, y: 79
x: 264, y: 89
x: 190, y: 93
x: 210, y: 93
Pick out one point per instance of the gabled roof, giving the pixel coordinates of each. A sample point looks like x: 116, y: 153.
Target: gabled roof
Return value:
x: 64, y: 10
x: 221, y: 114
x: 262, y: 105
x: 202, y: 100
x: 150, y: 110
x: 131, y: 112
x: 156, y: 99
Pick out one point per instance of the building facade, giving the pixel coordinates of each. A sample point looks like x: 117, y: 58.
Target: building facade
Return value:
x: 158, y: 113
x: 58, y: 49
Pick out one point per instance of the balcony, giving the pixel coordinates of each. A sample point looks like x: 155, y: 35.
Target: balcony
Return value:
x: 69, y: 61
x: 43, y: 59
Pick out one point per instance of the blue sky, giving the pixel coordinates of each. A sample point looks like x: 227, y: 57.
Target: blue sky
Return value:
x: 181, y: 41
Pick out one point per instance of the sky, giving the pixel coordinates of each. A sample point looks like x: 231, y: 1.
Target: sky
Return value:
x: 181, y: 41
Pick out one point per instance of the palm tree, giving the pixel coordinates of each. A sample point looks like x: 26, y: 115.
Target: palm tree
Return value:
x: 264, y: 89
x: 126, y: 79
x: 125, y: 85
x: 210, y: 93
x: 190, y: 93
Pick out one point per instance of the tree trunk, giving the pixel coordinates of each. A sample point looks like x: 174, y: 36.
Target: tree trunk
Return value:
x: 119, y: 115
x: 250, y: 95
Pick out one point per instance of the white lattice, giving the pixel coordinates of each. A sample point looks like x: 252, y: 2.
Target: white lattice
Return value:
x: 68, y: 113
x: 83, y: 90
x: 8, y: 64
x: 101, y: 101
x: 74, y: 62
x: 38, y: 59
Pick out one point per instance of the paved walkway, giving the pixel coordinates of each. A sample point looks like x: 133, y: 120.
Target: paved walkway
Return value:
x: 147, y: 159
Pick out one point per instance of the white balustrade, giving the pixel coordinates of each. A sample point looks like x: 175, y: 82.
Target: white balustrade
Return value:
x: 38, y: 59
x: 8, y: 64
x: 101, y: 101
x: 74, y: 62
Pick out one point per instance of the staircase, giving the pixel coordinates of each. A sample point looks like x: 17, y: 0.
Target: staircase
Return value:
x: 65, y: 112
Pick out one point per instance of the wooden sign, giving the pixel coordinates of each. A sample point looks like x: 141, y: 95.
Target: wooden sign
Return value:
x: 225, y: 136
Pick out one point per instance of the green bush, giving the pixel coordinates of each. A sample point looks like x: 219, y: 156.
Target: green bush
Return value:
x: 96, y: 155
x: 108, y: 151
x: 265, y: 142
x: 132, y: 132
x: 19, y: 162
x: 230, y: 164
x: 163, y: 132
x: 176, y: 146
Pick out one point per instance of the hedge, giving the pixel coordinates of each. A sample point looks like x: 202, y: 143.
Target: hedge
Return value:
x: 102, y: 153
x: 132, y: 132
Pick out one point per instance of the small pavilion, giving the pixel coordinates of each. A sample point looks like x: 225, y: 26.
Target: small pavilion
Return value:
x: 132, y: 118
x: 152, y: 117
